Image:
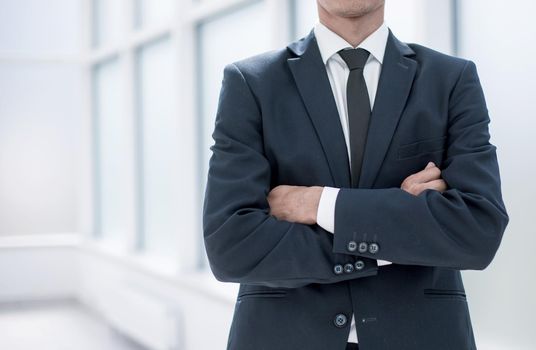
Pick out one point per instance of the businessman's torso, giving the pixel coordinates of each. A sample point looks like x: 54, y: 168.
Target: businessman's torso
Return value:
x: 403, y: 306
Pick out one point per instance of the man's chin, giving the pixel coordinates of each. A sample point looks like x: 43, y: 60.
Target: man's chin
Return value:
x: 351, y: 13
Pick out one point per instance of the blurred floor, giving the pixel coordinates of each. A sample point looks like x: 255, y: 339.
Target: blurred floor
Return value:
x: 64, y: 325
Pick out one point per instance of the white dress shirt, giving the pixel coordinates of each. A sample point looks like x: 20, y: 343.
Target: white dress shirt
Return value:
x: 329, y: 44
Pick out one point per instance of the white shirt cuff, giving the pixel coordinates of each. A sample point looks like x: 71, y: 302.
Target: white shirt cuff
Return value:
x: 325, y: 216
x: 383, y: 262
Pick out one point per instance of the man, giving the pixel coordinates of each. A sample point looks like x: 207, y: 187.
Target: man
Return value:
x: 351, y: 179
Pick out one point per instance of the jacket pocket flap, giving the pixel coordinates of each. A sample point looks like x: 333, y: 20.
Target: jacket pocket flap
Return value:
x: 421, y: 147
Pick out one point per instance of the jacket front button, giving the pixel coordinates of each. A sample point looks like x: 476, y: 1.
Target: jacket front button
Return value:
x: 348, y: 268
x: 340, y: 320
x: 352, y: 246
x: 359, y: 265
x: 363, y: 246
x: 373, y: 248
x: 337, y: 269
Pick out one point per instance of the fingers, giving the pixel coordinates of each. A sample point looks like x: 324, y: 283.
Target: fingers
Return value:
x: 429, y: 173
x: 428, y: 178
x: 417, y: 188
x: 276, y: 193
x: 438, y: 185
x: 279, y: 201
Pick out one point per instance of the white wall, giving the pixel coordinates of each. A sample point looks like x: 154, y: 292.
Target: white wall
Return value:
x: 36, y: 27
x: 39, y: 116
x: 499, y: 37
x: 40, y: 110
x: 38, y: 268
x: 161, y: 311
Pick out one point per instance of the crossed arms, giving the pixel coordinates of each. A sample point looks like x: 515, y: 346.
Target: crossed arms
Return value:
x: 301, y: 203
x: 460, y: 227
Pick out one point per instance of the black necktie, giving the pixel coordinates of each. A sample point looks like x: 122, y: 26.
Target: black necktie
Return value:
x: 357, y: 100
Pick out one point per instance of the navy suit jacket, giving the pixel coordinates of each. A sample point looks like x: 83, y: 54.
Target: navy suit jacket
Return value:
x: 277, y: 123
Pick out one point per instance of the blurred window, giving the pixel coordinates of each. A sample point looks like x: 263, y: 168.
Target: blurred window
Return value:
x: 110, y: 22
x: 112, y: 125
x: 159, y: 136
x: 150, y: 13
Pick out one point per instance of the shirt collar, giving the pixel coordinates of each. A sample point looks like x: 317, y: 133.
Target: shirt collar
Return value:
x: 330, y: 42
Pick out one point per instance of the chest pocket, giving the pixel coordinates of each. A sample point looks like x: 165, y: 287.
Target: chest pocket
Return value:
x: 418, y: 148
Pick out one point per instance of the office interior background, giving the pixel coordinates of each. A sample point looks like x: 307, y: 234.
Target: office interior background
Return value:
x: 106, y: 114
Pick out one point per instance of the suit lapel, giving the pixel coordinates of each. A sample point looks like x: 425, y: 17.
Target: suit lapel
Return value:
x: 396, y: 79
x: 314, y: 87
x: 313, y: 84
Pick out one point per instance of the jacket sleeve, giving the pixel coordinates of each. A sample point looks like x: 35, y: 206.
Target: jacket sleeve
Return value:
x: 244, y: 243
x: 459, y: 228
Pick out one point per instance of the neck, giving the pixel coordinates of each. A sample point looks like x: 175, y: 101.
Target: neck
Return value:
x: 352, y: 29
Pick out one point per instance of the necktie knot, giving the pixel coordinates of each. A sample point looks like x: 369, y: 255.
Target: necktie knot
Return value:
x: 354, y: 58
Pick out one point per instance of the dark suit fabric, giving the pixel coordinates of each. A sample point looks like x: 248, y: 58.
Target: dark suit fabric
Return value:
x: 277, y: 123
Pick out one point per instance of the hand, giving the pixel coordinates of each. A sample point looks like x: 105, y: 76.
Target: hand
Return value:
x: 429, y: 178
x: 295, y: 203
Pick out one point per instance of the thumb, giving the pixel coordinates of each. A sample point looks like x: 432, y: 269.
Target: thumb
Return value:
x: 429, y: 165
